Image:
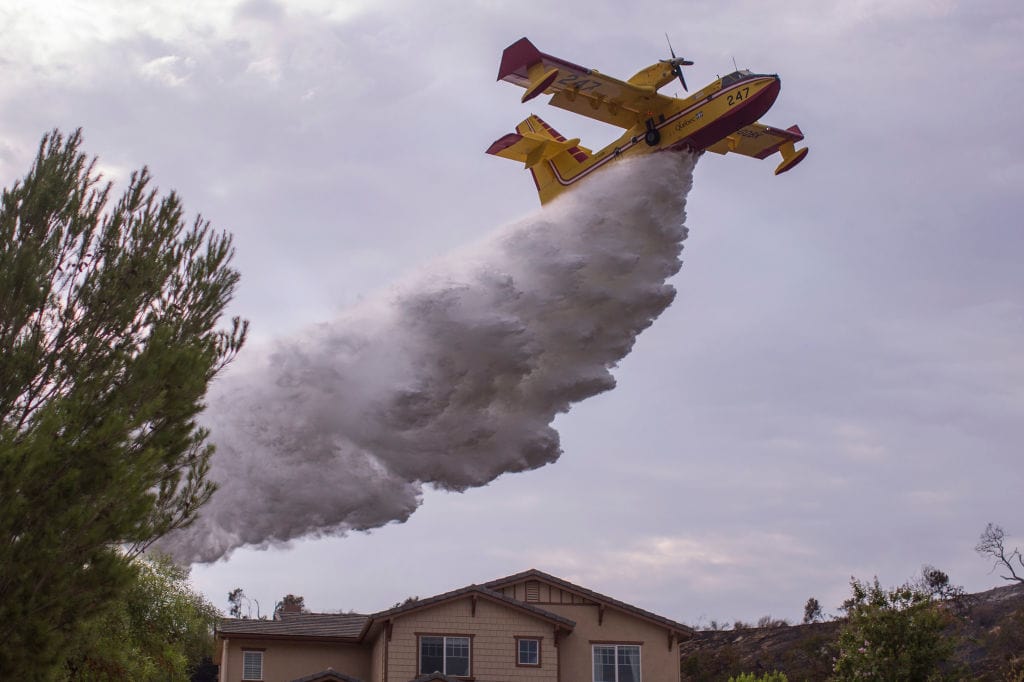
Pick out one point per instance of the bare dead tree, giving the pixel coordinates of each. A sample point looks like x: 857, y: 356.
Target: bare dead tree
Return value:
x: 992, y: 544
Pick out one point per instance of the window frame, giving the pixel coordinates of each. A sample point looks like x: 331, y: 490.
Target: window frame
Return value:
x: 540, y: 649
x: 444, y: 646
x: 639, y: 646
x: 254, y: 652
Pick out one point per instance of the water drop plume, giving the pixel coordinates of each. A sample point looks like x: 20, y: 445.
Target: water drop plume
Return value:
x: 451, y: 378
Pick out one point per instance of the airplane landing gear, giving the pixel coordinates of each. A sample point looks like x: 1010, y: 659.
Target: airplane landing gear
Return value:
x: 652, y: 137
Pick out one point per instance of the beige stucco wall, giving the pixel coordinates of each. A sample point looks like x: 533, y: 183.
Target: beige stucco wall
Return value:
x: 493, y: 630
x: 284, y: 661
x: 658, y: 663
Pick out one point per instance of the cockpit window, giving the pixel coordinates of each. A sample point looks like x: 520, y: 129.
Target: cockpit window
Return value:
x: 735, y: 76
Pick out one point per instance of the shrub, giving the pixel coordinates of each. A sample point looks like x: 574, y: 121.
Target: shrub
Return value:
x: 894, y: 634
x: 773, y: 676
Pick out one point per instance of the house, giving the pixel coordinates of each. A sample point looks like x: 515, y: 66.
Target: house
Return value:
x: 529, y: 626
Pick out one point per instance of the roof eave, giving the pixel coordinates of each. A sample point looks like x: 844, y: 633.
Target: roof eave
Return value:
x: 483, y: 592
x: 221, y: 635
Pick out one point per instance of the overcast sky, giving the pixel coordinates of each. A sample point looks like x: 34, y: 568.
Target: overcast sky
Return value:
x: 838, y: 388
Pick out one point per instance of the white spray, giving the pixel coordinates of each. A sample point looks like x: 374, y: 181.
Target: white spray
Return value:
x: 452, y: 378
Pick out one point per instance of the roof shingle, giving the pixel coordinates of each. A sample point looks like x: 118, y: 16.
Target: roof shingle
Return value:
x: 334, y: 625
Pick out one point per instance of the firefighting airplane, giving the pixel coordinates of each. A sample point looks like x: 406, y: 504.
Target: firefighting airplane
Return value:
x: 722, y: 117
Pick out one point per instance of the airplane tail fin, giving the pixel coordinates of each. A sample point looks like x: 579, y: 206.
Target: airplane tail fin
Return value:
x: 549, y: 157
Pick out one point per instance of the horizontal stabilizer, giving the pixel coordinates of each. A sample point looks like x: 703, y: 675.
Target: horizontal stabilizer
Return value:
x: 530, y: 148
x: 543, y: 151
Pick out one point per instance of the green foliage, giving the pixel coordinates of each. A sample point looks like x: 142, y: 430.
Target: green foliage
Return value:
x: 405, y: 602
x: 1006, y: 644
x: 290, y: 603
x: 894, y: 634
x: 1015, y: 673
x: 812, y: 658
x: 158, y: 630
x: 767, y: 677
x: 235, y: 598
x: 768, y: 622
x: 107, y: 345
x: 710, y: 664
x: 812, y: 611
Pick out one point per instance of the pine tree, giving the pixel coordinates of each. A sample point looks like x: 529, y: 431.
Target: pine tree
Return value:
x: 108, y: 342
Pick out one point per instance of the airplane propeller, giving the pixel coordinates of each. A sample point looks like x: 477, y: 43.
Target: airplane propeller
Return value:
x: 677, y: 63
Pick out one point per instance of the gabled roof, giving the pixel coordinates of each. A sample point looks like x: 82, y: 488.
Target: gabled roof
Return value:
x: 325, y: 675
x: 353, y: 627
x: 479, y: 591
x: 534, y: 574
x: 342, y: 626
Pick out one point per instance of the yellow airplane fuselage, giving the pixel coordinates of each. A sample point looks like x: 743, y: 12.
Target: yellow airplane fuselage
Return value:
x: 699, y: 121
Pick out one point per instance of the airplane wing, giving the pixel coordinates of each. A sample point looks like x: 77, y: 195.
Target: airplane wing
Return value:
x: 579, y: 89
x: 761, y: 141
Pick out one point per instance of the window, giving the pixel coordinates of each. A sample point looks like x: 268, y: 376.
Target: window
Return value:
x: 447, y: 655
x: 735, y: 77
x: 527, y: 651
x: 616, y: 663
x: 252, y: 665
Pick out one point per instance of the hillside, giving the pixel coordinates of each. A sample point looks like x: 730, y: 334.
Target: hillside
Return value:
x: 990, y: 634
